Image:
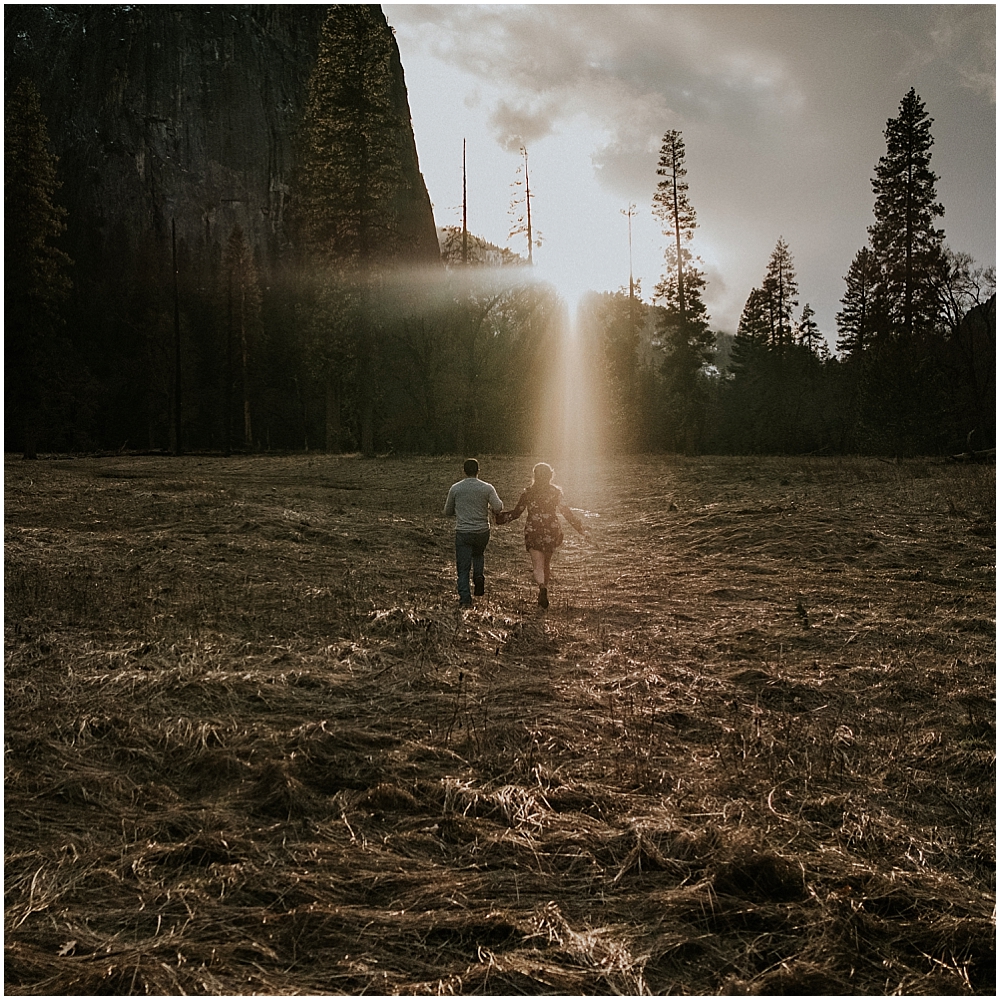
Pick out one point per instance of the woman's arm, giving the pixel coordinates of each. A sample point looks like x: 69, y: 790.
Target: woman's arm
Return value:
x: 506, y: 516
x: 572, y: 518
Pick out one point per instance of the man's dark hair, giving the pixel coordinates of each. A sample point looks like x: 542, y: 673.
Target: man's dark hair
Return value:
x: 471, y: 467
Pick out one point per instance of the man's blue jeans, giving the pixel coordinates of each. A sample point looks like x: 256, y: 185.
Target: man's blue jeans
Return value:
x: 469, y: 549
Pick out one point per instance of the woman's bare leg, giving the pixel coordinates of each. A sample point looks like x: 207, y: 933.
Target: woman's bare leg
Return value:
x: 548, y: 567
x: 539, y: 566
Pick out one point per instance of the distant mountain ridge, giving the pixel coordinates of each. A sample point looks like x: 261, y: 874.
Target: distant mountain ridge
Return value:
x: 478, y: 252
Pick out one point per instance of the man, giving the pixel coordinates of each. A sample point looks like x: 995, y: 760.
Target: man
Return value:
x: 470, y: 501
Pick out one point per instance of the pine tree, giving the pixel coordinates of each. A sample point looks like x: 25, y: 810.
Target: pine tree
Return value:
x: 688, y: 347
x: 808, y: 332
x: 781, y: 288
x: 747, y: 391
x: 755, y: 321
x: 675, y: 212
x: 683, y: 329
x: 857, y: 319
x: 35, y: 269
x: 906, y: 245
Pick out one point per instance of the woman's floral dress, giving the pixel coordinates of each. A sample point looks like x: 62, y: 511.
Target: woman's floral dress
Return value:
x: 542, y: 530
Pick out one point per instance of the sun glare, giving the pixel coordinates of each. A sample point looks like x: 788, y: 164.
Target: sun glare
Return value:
x: 571, y: 424
x: 570, y: 285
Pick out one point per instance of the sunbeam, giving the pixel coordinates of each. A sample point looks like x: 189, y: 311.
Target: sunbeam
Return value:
x: 571, y: 426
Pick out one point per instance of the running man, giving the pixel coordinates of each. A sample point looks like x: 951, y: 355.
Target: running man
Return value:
x: 470, y: 501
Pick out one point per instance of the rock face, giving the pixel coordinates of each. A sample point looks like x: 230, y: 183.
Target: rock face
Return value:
x: 189, y: 114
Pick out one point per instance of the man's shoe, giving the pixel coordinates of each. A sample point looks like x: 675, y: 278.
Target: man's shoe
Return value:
x: 465, y: 604
x: 543, y: 597
x: 480, y: 583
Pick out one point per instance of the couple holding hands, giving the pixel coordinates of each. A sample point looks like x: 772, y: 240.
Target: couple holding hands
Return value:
x: 471, y: 499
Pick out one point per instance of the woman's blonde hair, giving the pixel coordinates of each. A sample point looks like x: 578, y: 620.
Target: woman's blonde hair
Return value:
x: 541, y: 474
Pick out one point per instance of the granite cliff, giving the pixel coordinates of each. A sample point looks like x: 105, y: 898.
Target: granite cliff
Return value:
x: 269, y: 137
x: 192, y: 114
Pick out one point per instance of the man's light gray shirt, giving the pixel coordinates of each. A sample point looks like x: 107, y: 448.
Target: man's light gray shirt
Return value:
x: 470, y: 500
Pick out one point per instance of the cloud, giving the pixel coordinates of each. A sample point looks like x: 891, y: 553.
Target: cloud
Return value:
x: 782, y: 110
x: 626, y: 163
x: 522, y: 125
x: 965, y: 39
x: 633, y: 71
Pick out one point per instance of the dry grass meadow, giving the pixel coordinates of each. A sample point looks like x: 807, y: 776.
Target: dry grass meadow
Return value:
x: 253, y: 747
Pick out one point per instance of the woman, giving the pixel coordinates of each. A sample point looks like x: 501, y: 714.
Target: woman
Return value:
x: 542, y: 532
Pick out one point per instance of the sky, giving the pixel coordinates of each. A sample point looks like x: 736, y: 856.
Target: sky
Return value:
x: 782, y: 110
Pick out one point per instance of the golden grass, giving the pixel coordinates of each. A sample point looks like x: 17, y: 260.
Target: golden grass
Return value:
x: 252, y: 747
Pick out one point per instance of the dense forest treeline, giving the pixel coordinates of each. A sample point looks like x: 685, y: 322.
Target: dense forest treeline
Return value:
x: 170, y: 292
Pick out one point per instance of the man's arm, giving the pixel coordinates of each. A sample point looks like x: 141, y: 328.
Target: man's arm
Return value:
x: 496, y: 504
x: 449, y: 504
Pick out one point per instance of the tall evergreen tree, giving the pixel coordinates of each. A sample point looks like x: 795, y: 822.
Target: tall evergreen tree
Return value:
x: 673, y: 208
x: 755, y: 320
x: 688, y: 348
x: 747, y: 391
x: 36, y: 277
x: 857, y: 319
x: 773, y: 401
x: 688, y: 344
x: 781, y: 288
x: 907, y: 246
x: 807, y: 332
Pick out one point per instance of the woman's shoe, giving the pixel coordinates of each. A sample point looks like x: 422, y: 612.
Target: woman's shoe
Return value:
x: 543, y: 597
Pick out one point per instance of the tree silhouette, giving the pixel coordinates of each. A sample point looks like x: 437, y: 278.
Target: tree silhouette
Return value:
x: 857, y: 319
x: 906, y: 245
x: 688, y: 344
x: 807, y: 332
x: 674, y: 210
x: 968, y: 304
x: 781, y: 288
x: 755, y: 321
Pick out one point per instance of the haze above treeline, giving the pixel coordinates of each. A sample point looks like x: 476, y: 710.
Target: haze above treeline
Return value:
x: 219, y: 237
